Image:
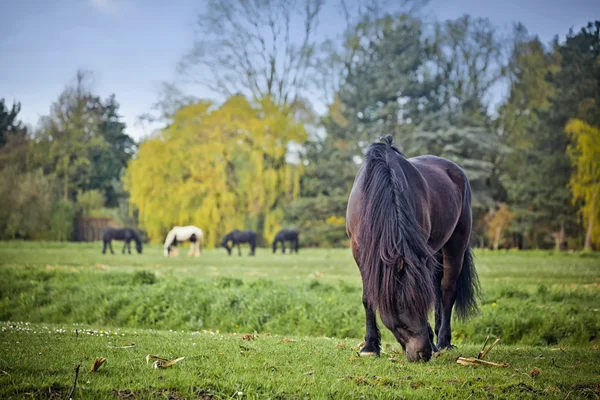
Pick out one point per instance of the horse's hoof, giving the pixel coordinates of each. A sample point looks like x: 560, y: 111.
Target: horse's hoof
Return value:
x: 368, y: 354
x: 446, y: 347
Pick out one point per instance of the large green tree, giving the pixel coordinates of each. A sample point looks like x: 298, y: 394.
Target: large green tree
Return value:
x: 83, y: 141
x: 13, y: 137
x: 109, y: 161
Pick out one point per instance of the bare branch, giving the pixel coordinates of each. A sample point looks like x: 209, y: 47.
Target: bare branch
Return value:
x: 250, y: 46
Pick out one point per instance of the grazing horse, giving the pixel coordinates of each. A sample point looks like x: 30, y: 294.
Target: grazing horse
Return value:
x: 125, y: 234
x: 409, y: 221
x: 289, y: 235
x: 237, y: 237
x: 181, y: 234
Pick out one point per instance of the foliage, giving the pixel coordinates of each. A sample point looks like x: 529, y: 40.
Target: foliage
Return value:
x: 9, y: 124
x: 90, y: 202
x: 83, y: 141
x: 109, y: 162
x: 536, y: 114
x: 27, y: 200
x: 585, y: 181
x: 219, y: 168
x: 62, y: 220
x: 498, y: 222
x: 321, y: 220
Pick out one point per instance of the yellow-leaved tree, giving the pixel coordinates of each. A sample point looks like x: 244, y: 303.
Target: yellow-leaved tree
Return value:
x: 585, y: 180
x: 219, y: 168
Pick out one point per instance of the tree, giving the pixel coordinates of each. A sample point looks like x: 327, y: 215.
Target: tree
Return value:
x: 27, y: 199
x: 250, y: 48
x: 584, y: 153
x: 221, y: 168
x: 469, y: 62
x: 13, y: 137
x: 110, y: 160
x: 384, y: 87
x: 537, y: 113
x: 70, y: 135
x: 498, y: 222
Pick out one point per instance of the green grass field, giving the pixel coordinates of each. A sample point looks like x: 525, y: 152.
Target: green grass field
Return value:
x: 279, y: 326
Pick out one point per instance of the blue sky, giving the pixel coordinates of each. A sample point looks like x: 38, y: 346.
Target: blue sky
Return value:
x: 134, y: 45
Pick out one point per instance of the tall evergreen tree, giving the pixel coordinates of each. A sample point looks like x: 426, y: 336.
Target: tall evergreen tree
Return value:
x: 110, y: 161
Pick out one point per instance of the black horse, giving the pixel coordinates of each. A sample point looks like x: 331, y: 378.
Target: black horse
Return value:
x: 286, y: 235
x: 126, y: 234
x: 409, y: 222
x: 237, y: 237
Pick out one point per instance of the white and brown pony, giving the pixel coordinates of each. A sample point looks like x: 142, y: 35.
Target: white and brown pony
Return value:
x: 190, y: 233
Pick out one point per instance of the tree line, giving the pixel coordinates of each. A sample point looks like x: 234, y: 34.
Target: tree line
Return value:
x: 264, y: 159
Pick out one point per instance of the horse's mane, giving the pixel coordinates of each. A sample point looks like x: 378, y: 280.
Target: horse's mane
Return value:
x: 394, y: 254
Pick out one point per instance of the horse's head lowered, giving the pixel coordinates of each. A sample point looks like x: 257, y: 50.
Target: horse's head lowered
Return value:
x: 170, y: 247
x: 412, y: 332
x: 224, y: 243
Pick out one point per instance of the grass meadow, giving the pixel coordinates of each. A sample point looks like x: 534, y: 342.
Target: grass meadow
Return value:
x: 279, y: 326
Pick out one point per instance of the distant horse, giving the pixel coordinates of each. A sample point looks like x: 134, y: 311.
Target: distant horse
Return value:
x: 126, y: 234
x: 289, y: 235
x: 180, y: 234
x: 409, y: 222
x: 237, y: 237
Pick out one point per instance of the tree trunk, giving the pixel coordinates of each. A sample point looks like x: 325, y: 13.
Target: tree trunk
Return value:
x: 497, y: 236
x: 559, y: 238
x: 588, y: 236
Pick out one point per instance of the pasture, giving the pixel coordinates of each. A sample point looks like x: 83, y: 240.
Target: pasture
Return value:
x: 279, y: 326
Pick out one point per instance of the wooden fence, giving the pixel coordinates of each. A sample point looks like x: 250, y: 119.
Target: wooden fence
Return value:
x: 89, y: 229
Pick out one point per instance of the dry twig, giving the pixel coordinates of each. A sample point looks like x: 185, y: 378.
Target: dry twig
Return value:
x: 483, y: 347
x: 471, y: 361
x: 70, y: 396
x: 489, y: 349
x: 162, y: 364
x: 132, y: 345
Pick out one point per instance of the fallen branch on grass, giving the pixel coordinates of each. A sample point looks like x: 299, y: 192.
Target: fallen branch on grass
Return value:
x: 122, y: 347
x: 481, y: 355
x: 471, y: 361
x: 70, y: 396
x: 162, y: 362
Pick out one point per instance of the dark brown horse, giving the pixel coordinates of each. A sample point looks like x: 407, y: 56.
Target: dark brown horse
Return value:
x: 409, y: 221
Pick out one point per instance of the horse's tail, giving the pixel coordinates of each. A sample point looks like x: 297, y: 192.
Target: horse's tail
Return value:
x: 392, y: 244
x: 468, y: 289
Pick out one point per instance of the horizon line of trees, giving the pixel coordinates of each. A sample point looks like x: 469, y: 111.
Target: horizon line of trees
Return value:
x: 263, y: 159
